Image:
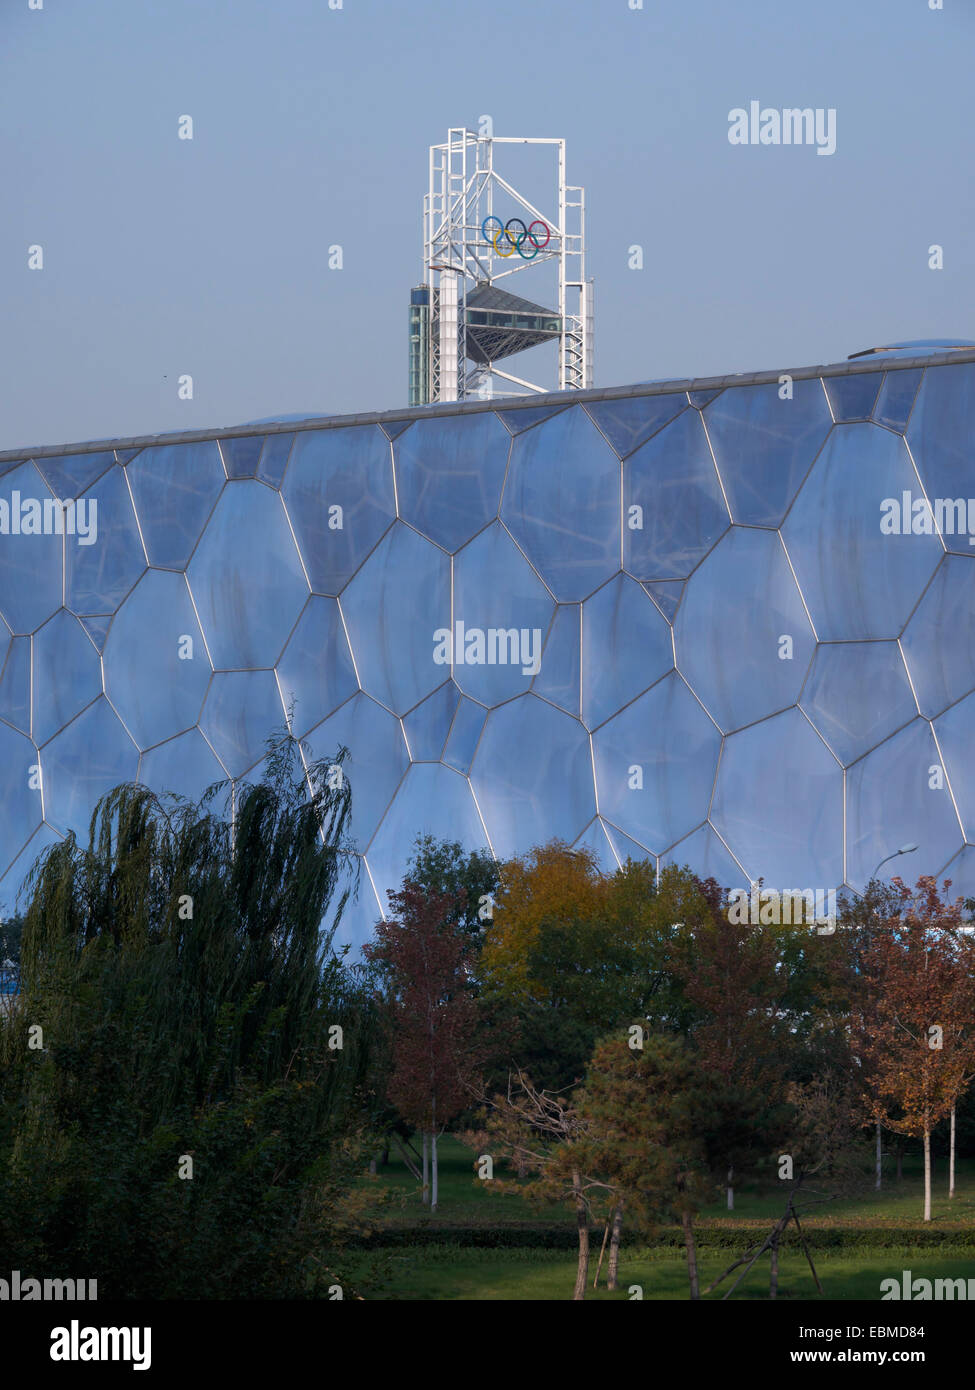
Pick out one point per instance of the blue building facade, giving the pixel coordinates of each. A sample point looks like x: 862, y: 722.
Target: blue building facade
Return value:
x: 728, y: 623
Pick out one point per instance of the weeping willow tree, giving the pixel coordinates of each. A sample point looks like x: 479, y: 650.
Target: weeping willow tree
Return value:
x: 185, y: 1087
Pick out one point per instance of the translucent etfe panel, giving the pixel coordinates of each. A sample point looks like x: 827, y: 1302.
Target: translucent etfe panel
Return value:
x: 464, y: 734
x: 339, y: 492
x: 699, y: 399
x: 316, y: 671
x: 156, y: 664
x: 15, y: 685
x: 742, y: 635
x: 70, y: 474
x: 778, y: 804
x: 30, y: 557
x: 397, y: 612
x: 893, y: 798
x: 274, y: 458
x: 955, y: 732
x: 594, y: 838
x: 502, y: 613
x: 532, y: 776
x: 562, y: 503
x: 704, y: 854
x: 856, y: 694
x: 655, y: 765
x: 896, y: 399
x: 243, y: 709
x: 97, y: 625
x: 858, y: 579
x: 376, y: 762
x: 90, y: 757
x: 630, y: 422
x: 940, y: 433
x: 102, y: 565
x: 527, y: 416
x: 428, y: 725
x: 666, y: 596
x: 184, y: 765
x: 449, y: 473
x: 67, y: 674
x: 853, y: 397
x: 673, y: 510
x: 626, y: 848
x: 431, y: 800
x: 13, y: 896
x: 20, y: 800
x: 175, y: 487
x: 246, y: 578
x: 559, y: 678
x: 626, y: 646
x: 939, y: 641
x: 764, y: 445
x: 357, y: 924
x: 241, y: 455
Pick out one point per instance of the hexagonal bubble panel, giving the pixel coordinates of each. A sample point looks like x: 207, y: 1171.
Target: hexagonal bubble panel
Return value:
x: 428, y: 725
x: 31, y: 559
x: 243, y: 709
x: 778, y: 804
x: 449, y: 474
x: 241, y: 455
x: 764, y: 445
x: 890, y: 802
x: 940, y: 434
x: 397, y: 611
x: 67, y: 475
x: 316, y: 670
x: 184, y: 765
x: 20, y: 798
x: 667, y: 596
x: 376, y: 763
x: 464, y: 734
x: 358, y: 922
x: 102, y: 566
x: 939, y: 641
x: 856, y: 694
x: 15, y: 685
x: 858, y: 581
x: 246, y: 578
x: 13, y: 895
x: 432, y: 799
x: 655, y: 765
x: 67, y: 674
x: 626, y: 646
x: 96, y: 625
x: 595, y: 839
x: 562, y: 503
x: 156, y: 664
x: 524, y: 417
x: 955, y: 732
x: 625, y: 848
x: 502, y: 613
x: 532, y: 776
x: 706, y: 854
x: 630, y: 421
x: 730, y: 630
x: 559, y: 680
x: 274, y: 459
x: 175, y: 487
x: 896, y: 399
x: 673, y: 507
x: 83, y: 762
x: 853, y: 397
x: 340, y: 496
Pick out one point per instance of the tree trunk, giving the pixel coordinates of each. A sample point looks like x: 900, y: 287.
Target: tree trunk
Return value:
x: 731, y: 1190
x: 880, y: 1154
x: 691, y: 1254
x: 951, y: 1157
x: 773, y: 1281
x: 614, y: 1247
x: 582, y: 1224
x: 426, y: 1170
x: 433, y: 1141
x: 372, y: 1167
x: 927, y: 1171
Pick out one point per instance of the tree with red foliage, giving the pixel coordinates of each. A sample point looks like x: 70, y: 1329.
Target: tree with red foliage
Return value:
x: 425, y: 964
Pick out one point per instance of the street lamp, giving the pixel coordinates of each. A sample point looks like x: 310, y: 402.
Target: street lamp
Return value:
x: 904, y: 849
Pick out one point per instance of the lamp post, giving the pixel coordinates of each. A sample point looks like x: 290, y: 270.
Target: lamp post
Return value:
x: 904, y: 849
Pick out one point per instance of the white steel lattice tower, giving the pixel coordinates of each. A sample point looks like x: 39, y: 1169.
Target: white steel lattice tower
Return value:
x: 479, y: 231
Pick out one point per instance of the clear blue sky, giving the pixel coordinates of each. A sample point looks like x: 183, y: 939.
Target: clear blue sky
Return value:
x: 312, y: 127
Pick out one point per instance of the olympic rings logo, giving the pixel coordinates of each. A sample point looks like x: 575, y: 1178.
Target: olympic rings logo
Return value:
x: 513, y: 235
